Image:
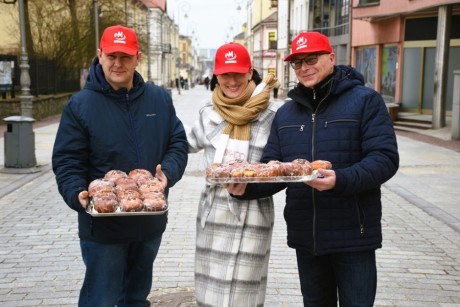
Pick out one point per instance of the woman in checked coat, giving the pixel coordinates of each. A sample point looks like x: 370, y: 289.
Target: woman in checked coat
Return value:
x: 233, y: 237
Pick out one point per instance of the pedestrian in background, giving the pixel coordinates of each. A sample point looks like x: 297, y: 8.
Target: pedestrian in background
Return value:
x: 275, y: 89
x: 117, y: 122
x: 333, y: 222
x: 233, y: 238
x: 206, y: 82
x: 178, y: 85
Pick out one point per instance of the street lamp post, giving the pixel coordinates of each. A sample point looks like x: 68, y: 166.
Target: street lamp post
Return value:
x: 19, y: 137
x: 183, y: 6
x: 96, y: 22
x: 26, y: 98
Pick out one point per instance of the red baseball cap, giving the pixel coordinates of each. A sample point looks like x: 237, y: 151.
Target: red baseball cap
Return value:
x: 309, y: 42
x: 232, y: 58
x: 119, y: 39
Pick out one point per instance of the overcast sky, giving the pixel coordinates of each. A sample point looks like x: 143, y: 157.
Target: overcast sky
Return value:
x: 211, y: 23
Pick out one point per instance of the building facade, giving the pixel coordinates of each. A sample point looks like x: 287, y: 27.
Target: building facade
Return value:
x: 408, y: 50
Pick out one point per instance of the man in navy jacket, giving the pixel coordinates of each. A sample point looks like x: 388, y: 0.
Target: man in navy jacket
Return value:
x: 333, y: 222
x: 117, y: 122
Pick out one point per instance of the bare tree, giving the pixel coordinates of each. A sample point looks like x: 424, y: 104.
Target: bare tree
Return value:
x: 64, y: 30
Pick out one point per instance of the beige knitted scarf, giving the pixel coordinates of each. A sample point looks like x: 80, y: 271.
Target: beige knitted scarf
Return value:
x: 241, y: 111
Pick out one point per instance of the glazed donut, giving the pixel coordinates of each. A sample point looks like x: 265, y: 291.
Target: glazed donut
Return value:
x: 154, y: 204
x: 105, y: 203
x: 114, y: 175
x: 154, y: 185
x: 138, y: 173
x: 317, y: 164
x: 126, y: 184
x: 222, y: 171
x: 249, y: 170
x: 128, y: 193
x: 153, y: 194
x: 131, y: 204
x: 292, y: 169
x: 237, y: 172
x: 100, y: 186
x: 148, y: 180
x: 266, y: 170
x: 306, y: 165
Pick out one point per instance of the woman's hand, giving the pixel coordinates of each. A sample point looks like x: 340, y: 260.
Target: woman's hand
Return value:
x: 236, y: 188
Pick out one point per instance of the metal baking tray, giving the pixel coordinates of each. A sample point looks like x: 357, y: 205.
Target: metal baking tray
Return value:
x: 314, y: 175
x: 90, y: 210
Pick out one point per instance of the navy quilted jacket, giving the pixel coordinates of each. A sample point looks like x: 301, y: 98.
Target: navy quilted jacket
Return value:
x: 344, y: 122
x: 102, y: 130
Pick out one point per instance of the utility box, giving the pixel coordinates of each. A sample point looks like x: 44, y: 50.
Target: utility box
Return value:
x: 19, y: 142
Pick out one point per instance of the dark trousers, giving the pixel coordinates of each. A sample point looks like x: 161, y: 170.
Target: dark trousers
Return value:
x: 351, y: 276
x: 117, y: 274
x: 275, y: 93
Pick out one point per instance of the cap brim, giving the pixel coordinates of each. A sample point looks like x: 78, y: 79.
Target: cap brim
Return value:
x: 231, y: 69
x: 289, y: 57
x: 114, y: 49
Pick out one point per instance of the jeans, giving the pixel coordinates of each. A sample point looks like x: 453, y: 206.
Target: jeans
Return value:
x: 353, y: 276
x: 117, y: 274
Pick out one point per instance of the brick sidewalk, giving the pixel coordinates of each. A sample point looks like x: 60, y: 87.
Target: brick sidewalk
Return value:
x: 419, y: 264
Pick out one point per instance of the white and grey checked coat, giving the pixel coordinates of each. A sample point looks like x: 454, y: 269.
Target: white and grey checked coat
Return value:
x: 232, y: 246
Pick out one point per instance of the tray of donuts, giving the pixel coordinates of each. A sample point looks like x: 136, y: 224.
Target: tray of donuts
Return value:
x: 299, y: 170
x: 121, y: 194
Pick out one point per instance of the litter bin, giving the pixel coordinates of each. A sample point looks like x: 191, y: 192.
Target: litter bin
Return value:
x: 19, y: 142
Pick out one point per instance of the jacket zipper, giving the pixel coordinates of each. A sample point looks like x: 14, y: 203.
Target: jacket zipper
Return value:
x: 313, y: 130
x: 313, y: 126
x: 361, y: 222
x: 339, y: 120
x: 301, y: 127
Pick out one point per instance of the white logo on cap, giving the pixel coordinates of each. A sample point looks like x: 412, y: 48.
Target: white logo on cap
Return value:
x: 119, y: 37
x: 230, y: 57
x: 301, y: 43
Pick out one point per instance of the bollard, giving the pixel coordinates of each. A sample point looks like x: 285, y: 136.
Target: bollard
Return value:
x: 19, y: 141
x: 456, y: 107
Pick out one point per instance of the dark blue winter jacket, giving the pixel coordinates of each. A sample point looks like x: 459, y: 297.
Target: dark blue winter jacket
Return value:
x: 102, y: 129
x: 346, y: 123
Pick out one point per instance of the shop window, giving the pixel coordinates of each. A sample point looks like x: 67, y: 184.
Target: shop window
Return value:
x: 388, y: 73
x: 365, y: 64
x: 272, y: 42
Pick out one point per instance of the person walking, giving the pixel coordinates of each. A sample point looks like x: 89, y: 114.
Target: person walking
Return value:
x: 178, y: 85
x: 333, y: 222
x: 117, y: 122
x: 276, y: 88
x: 233, y: 238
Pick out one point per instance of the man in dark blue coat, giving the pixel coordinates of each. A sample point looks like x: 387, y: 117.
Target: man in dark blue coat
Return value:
x: 333, y: 222
x: 117, y: 122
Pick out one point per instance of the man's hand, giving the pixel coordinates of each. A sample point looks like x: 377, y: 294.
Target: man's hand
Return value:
x: 83, y: 198
x: 161, y: 176
x: 326, y: 182
x: 236, y: 188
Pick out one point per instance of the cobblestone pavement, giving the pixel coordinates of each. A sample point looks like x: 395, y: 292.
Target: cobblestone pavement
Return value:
x: 419, y: 264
